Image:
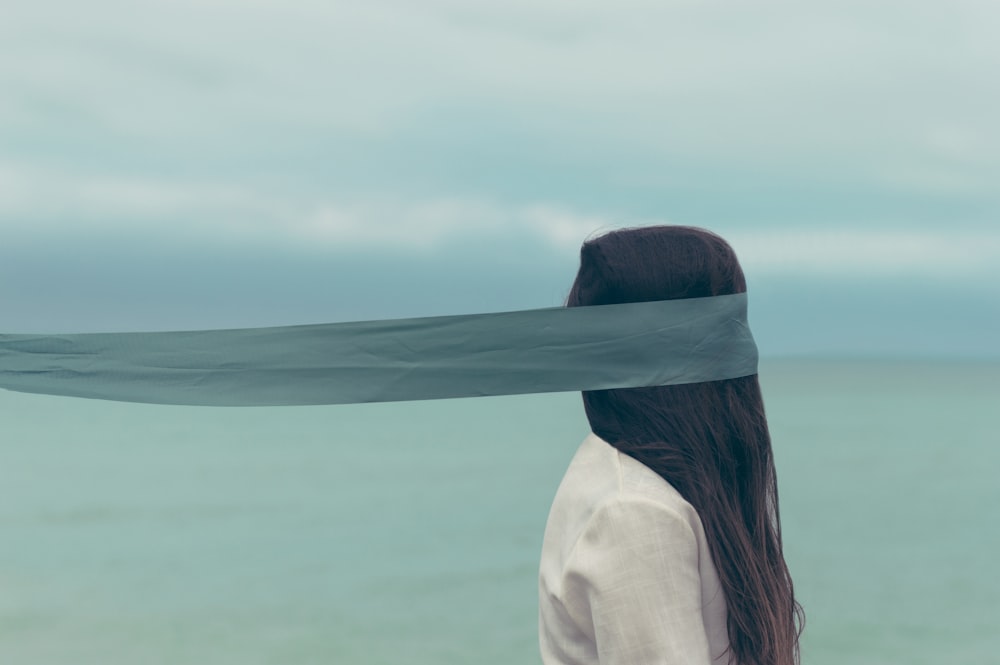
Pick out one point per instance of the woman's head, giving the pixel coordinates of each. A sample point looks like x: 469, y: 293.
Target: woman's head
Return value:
x: 655, y: 263
x: 658, y: 263
x: 709, y: 440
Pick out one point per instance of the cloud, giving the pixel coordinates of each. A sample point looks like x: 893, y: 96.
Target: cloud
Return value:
x: 37, y: 201
x: 859, y: 252
x: 47, y: 203
x: 864, y: 134
x: 428, y: 225
x: 34, y: 198
x: 763, y: 83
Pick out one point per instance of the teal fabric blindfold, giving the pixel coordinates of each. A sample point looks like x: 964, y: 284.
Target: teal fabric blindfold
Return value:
x: 553, y: 349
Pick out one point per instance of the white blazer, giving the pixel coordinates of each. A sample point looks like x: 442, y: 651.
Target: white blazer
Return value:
x: 625, y: 575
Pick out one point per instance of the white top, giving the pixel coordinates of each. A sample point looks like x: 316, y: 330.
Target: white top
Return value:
x: 626, y: 576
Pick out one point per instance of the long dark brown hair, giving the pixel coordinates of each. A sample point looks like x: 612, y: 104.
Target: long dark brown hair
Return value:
x: 710, y: 440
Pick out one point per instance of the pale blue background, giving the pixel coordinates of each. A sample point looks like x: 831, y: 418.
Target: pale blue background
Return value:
x: 220, y: 163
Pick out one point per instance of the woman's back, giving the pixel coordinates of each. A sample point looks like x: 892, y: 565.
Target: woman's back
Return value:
x: 626, y: 575
x: 664, y: 540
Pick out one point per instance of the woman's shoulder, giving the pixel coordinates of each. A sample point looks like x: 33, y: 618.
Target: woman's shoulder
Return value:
x: 625, y: 478
x: 601, y: 478
x: 608, y: 501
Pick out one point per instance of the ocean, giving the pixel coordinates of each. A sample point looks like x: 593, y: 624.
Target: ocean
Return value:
x: 410, y: 532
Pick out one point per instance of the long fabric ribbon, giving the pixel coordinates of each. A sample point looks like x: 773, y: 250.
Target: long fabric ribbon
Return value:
x: 529, y: 351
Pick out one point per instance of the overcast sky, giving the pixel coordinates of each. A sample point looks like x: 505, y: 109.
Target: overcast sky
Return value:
x: 222, y: 163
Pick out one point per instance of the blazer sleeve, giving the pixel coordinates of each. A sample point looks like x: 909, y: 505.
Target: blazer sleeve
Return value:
x: 632, y: 581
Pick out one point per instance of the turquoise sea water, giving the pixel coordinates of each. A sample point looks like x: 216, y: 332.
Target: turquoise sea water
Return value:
x: 410, y: 532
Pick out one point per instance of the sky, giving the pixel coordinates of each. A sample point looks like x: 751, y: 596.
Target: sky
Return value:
x: 222, y: 163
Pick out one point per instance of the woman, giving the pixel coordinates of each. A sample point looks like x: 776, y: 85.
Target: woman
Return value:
x: 663, y: 543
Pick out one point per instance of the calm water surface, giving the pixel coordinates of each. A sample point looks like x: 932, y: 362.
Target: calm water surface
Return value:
x: 409, y: 533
